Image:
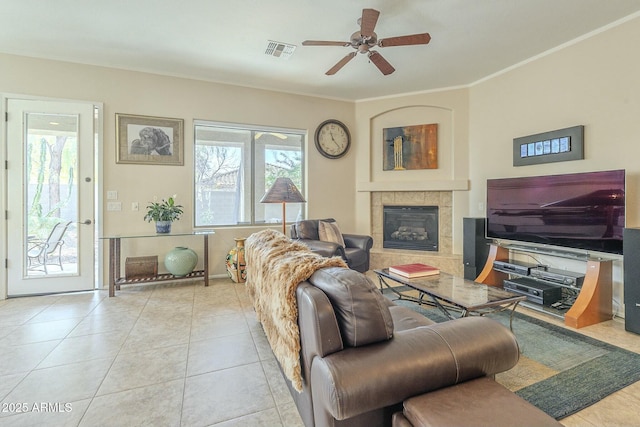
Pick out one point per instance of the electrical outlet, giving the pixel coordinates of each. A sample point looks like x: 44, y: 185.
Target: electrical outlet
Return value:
x: 114, y: 206
x: 112, y: 195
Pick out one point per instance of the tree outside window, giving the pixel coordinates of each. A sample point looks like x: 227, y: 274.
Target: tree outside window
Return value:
x: 235, y: 166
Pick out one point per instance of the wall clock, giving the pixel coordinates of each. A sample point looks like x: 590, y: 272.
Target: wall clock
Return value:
x: 332, y: 139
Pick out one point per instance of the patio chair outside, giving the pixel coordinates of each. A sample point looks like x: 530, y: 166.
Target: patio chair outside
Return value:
x: 40, y: 252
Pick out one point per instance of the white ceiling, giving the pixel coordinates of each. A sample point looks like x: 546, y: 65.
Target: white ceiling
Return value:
x: 225, y: 41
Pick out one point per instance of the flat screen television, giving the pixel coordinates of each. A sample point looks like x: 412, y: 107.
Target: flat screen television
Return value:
x: 584, y: 211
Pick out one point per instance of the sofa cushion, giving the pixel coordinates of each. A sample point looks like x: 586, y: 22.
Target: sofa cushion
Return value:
x: 404, y: 318
x: 330, y: 232
x: 362, y: 313
x: 307, y: 229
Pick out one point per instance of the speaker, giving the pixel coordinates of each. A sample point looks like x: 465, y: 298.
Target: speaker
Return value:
x: 631, y: 264
x: 475, y: 247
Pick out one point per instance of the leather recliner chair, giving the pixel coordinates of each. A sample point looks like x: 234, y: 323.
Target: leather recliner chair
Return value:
x: 355, y: 251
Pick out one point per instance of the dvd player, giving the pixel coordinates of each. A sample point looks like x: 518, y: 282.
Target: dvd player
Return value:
x: 515, y: 267
x: 561, y: 277
x: 535, y: 291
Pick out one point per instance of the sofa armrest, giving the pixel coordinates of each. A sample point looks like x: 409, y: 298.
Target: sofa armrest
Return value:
x: 415, y: 361
x: 358, y: 241
x: 326, y: 249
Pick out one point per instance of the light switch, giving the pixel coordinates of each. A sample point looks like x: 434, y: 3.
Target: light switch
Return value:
x: 112, y: 195
x: 114, y: 206
x: 134, y: 206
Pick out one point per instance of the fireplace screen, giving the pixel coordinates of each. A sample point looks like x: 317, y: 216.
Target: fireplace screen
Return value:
x: 411, y: 227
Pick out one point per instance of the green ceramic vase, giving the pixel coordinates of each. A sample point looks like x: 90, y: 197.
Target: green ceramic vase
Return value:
x: 180, y: 261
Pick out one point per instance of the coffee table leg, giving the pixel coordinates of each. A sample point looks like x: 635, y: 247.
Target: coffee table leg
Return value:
x: 513, y: 310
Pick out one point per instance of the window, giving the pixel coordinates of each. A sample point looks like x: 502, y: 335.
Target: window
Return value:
x: 234, y: 167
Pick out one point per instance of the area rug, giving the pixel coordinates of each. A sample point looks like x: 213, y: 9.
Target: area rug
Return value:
x: 560, y: 371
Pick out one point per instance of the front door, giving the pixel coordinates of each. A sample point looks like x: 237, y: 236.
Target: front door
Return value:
x: 50, y: 206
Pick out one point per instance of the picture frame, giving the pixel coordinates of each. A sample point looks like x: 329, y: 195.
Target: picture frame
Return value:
x: 410, y: 147
x: 555, y: 146
x: 149, y: 140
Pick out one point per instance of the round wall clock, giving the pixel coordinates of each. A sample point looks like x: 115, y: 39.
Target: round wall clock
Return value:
x: 333, y: 139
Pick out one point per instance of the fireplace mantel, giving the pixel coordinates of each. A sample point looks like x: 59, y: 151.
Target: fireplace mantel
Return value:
x: 438, y: 185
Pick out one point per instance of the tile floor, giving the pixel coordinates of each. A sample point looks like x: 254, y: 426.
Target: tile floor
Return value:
x: 159, y: 355
x: 174, y: 355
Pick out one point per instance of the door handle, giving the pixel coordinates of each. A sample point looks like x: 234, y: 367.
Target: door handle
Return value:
x: 86, y: 222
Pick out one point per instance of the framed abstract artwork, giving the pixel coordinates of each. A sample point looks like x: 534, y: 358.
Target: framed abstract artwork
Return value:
x: 410, y: 147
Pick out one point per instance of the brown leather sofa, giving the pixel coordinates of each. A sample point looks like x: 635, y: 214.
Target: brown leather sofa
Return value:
x: 362, y: 355
x: 355, y: 251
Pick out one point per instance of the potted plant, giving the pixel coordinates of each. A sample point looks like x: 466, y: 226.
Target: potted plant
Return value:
x: 163, y: 213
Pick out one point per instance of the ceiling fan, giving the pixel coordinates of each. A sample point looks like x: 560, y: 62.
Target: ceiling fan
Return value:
x: 365, y: 39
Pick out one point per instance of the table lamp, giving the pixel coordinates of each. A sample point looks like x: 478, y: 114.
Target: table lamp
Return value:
x: 283, y: 191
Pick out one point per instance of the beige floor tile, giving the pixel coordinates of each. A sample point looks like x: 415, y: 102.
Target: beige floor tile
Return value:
x: 67, y: 414
x: 277, y: 384
x: 60, y: 312
x: 290, y: 415
x: 97, y: 323
x: 218, y: 326
x: 216, y: 308
x: 9, y: 382
x: 155, y: 405
x: 220, y: 353
x: 25, y: 357
x: 267, y: 418
x: 224, y: 395
x: 42, y: 331
x: 85, y: 347
x: 67, y: 383
x: 133, y: 370
x: 157, y: 332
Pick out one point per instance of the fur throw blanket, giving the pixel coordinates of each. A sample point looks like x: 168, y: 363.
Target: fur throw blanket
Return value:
x: 275, y: 266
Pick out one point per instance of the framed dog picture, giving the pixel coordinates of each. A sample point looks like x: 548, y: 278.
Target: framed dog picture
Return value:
x: 149, y: 140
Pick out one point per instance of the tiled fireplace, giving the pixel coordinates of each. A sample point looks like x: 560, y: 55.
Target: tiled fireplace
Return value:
x: 413, y: 228
x: 438, y: 202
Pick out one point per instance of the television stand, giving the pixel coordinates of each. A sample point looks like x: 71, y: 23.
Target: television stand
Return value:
x: 594, y: 301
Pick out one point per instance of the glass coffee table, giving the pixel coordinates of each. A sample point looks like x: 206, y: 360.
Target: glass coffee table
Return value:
x: 453, y: 294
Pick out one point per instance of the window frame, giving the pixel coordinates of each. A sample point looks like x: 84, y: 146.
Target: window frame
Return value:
x: 252, y: 173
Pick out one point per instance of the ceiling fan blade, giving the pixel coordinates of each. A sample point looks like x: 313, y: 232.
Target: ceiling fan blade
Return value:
x: 340, y: 64
x: 382, y: 64
x: 368, y: 22
x: 412, y: 39
x: 324, y: 43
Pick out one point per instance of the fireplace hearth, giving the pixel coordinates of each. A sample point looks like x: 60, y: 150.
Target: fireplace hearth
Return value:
x: 410, y: 227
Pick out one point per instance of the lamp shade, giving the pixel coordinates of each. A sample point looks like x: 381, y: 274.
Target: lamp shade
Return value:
x: 283, y: 191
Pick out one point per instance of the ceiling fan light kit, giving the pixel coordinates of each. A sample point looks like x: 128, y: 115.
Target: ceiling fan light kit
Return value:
x: 365, y: 39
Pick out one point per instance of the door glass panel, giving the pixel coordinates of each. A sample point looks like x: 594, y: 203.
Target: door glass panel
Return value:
x: 51, y: 194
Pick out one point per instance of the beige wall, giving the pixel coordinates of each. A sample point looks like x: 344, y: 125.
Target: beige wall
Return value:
x: 594, y: 83
x: 450, y: 110
x: 329, y: 182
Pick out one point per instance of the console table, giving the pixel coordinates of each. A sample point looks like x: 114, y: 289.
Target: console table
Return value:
x: 115, y: 280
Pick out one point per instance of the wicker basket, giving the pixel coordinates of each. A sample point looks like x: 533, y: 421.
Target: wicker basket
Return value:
x: 141, y: 267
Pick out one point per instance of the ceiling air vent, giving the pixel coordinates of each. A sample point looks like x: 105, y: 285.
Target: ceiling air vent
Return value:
x: 279, y: 49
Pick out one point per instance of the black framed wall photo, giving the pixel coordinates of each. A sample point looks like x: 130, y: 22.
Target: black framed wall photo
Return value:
x: 555, y: 146
x: 149, y: 140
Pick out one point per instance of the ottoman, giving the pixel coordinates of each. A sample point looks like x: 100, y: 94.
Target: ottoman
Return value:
x: 480, y: 403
